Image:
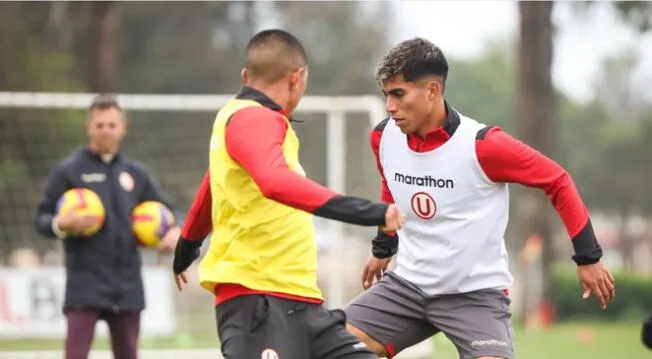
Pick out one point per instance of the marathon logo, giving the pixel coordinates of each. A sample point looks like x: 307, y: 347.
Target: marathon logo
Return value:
x: 424, y: 181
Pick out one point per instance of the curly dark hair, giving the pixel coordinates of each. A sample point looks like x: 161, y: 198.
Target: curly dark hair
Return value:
x: 413, y: 59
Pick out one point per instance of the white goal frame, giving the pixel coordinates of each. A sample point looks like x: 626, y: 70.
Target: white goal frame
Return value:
x: 335, y: 108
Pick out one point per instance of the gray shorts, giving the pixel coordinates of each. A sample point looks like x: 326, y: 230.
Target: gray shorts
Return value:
x: 397, y: 314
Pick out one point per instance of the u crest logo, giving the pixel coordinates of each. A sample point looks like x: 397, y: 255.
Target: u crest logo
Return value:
x: 423, y: 205
x: 269, y: 354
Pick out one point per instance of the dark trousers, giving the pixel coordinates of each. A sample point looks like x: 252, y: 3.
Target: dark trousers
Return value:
x: 124, y: 328
x: 268, y: 327
x: 646, y: 334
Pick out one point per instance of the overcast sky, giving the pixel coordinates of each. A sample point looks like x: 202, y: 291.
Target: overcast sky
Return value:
x: 461, y: 29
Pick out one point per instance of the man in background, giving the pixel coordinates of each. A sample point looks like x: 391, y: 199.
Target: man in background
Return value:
x: 103, y: 271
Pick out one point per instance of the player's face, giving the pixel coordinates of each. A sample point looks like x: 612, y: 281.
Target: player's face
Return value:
x: 407, y: 103
x: 106, y: 128
x: 298, y: 85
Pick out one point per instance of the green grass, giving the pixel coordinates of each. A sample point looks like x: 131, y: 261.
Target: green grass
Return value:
x: 571, y: 341
x: 563, y: 341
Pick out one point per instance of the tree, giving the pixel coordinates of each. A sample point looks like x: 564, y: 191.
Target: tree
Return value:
x: 535, y: 116
x: 536, y: 108
x: 102, y: 41
x: 28, y: 62
x: 485, y: 87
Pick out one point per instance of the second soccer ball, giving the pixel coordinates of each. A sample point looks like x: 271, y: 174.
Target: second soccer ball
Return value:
x: 150, y: 220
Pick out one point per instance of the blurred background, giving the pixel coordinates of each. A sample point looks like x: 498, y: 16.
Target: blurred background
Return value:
x: 572, y: 79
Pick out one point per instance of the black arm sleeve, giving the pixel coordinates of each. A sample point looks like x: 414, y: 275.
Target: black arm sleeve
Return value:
x: 586, y: 247
x: 384, y: 245
x: 353, y: 210
x: 55, y: 187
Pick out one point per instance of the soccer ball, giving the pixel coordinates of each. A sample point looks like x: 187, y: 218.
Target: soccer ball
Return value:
x: 82, y: 201
x: 150, y: 220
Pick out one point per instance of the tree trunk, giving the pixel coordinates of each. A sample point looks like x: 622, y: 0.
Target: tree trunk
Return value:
x: 104, y: 23
x: 535, y: 116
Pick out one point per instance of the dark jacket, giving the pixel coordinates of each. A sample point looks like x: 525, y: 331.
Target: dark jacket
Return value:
x: 103, y: 271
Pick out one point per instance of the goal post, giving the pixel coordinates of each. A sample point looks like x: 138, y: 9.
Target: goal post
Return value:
x: 335, y: 108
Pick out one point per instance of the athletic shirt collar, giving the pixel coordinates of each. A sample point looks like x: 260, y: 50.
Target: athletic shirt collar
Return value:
x: 250, y: 93
x: 438, y: 136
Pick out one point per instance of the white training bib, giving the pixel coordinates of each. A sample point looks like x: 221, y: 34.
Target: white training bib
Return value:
x: 453, y: 239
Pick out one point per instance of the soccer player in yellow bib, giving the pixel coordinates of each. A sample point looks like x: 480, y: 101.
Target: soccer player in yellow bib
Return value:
x: 262, y: 260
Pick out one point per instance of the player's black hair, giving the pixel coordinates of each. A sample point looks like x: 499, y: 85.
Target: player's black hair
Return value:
x: 413, y: 59
x: 272, y: 53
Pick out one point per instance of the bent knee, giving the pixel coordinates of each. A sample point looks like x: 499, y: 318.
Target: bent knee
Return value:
x: 371, y: 343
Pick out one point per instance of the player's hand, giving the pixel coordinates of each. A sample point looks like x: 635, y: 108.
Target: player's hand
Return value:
x: 375, y: 268
x: 185, y: 253
x: 72, y: 222
x: 394, y: 219
x: 596, y: 279
x: 169, y: 240
x: 180, y: 279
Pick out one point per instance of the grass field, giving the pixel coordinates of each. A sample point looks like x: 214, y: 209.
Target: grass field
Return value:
x: 572, y: 341
x: 564, y: 341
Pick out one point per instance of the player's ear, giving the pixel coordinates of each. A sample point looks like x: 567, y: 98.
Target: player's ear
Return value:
x: 295, y: 78
x: 433, y: 90
x: 243, y: 75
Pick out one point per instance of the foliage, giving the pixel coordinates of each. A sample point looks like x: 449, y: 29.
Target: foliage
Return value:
x: 637, y: 13
x: 593, y: 340
x: 484, y: 87
x: 28, y: 62
x: 633, y: 297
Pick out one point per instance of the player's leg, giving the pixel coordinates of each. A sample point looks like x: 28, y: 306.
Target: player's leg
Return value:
x: 261, y: 326
x: 124, y: 328
x: 80, y: 332
x: 478, y: 323
x: 646, y: 334
x: 389, y: 316
x: 330, y: 338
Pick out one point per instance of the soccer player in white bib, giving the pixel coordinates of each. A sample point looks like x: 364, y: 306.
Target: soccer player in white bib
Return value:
x: 448, y: 173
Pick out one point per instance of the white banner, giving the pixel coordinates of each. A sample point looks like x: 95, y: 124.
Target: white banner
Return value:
x: 31, y: 303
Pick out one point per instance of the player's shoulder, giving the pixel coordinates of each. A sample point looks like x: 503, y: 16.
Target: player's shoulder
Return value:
x: 259, y: 114
x: 484, y: 131
x: 380, y: 126
x: 377, y: 133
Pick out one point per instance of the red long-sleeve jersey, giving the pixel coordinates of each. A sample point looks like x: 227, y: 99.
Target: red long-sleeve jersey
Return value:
x: 254, y: 138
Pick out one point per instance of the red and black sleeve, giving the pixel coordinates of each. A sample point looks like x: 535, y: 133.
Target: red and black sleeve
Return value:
x: 506, y: 159
x: 199, y: 222
x: 254, y: 138
x: 384, y: 245
x: 374, y: 140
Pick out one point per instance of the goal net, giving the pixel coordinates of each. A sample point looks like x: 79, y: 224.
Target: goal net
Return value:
x: 170, y: 135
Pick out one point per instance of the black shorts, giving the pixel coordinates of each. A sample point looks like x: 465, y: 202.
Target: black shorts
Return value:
x: 268, y: 327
